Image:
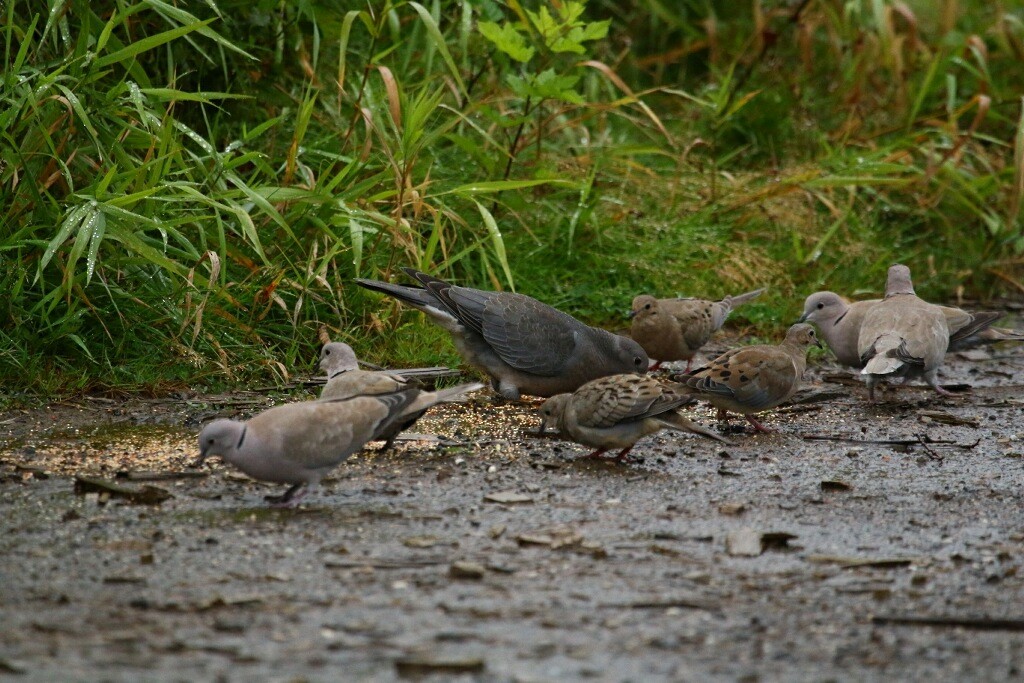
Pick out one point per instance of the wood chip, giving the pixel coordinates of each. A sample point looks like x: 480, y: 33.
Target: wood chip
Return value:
x: 160, y: 476
x: 423, y: 666
x: 686, y: 602
x: 508, y: 497
x: 853, y: 562
x: 732, y: 508
x: 421, y: 541
x: 467, y: 570
x: 945, y: 418
x: 385, y: 563
x: 977, y: 623
x: 144, y: 495
x: 745, y: 542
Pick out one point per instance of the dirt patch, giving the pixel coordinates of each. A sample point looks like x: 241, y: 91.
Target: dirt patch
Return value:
x: 888, y: 547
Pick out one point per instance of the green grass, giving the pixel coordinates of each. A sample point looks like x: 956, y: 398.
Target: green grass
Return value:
x: 187, y: 191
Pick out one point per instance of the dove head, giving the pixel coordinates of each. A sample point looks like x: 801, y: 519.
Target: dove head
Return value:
x: 551, y: 411
x: 630, y: 355
x: 898, y: 281
x: 337, y: 357
x: 823, y: 308
x: 802, y: 335
x: 644, y: 306
x: 221, y: 437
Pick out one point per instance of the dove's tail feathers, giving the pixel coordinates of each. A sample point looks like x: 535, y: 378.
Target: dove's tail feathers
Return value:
x: 457, y: 393
x: 722, y: 309
x: 428, y: 399
x: 417, y: 297
x: 998, y: 334
x: 882, y: 364
x: 740, y: 299
x: 674, y: 420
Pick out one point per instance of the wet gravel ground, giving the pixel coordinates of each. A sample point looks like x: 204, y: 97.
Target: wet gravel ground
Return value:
x: 779, y: 557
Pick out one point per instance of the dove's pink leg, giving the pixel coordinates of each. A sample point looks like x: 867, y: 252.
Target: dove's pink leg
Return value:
x: 657, y: 364
x: 622, y: 454
x: 758, y: 427
x: 596, y: 454
x: 933, y: 380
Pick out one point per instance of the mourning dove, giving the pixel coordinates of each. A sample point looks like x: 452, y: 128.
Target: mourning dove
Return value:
x: 616, y: 411
x: 345, y: 380
x: 525, y: 346
x: 299, y: 443
x: 903, y: 335
x: 674, y: 329
x: 751, y: 379
x: 839, y: 322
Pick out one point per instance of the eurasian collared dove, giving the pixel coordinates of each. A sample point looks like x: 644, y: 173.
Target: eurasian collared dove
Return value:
x: 674, y: 329
x: 903, y: 335
x: 345, y: 380
x: 299, y: 443
x: 839, y: 322
x: 751, y: 379
x: 525, y: 346
x: 616, y: 411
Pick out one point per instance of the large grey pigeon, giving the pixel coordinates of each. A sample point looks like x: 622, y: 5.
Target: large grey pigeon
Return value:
x: 525, y: 346
x: 674, y: 329
x: 903, y: 335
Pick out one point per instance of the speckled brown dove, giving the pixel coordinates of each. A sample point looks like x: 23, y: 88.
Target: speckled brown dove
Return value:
x: 674, y: 329
x: 615, y: 412
x: 903, y: 335
x: 345, y: 379
x: 839, y: 322
x: 752, y: 379
x: 525, y: 346
x: 299, y: 443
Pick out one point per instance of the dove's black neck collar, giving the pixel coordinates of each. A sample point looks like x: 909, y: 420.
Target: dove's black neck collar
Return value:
x: 840, y: 317
x: 339, y: 372
x: 241, y: 439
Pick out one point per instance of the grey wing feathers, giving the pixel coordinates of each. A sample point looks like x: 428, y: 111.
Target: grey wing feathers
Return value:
x: 529, y: 335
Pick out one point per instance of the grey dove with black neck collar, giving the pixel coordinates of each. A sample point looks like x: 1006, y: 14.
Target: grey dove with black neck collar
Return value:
x: 903, y: 335
x: 345, y: 379
x: 840, y: 321
x: 299, y: 443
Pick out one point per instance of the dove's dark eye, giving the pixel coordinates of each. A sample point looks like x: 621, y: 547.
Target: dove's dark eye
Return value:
x: 638, y: 361
x: 821, y: 305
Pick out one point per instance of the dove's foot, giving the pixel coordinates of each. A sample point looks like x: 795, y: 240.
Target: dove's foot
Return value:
x: 289, y: 498
x: 622, y: 454
x: 758, y: 427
